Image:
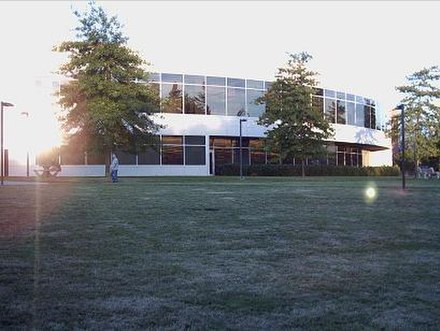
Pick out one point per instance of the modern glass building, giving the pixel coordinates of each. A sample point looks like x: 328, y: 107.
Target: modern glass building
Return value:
x: 201, y: 119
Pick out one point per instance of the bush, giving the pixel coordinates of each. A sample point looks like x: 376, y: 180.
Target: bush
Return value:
x: 295, y: 170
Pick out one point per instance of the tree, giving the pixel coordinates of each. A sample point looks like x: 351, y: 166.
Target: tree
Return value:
x: 422, y: 115
x: 106, y: 108
x: 297, y: 126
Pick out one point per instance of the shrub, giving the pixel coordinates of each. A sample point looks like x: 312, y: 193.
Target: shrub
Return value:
x: 295, y: 170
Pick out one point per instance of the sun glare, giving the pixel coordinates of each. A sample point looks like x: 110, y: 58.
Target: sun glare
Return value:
x: 370, y: 193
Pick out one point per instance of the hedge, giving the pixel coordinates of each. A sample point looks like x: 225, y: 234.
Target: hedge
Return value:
x: 295, y: 170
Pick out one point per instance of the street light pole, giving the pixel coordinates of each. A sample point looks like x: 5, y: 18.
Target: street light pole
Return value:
x: 241, y: 148
x: 2, y: 105
x: 25, y: 113
x: 401, y: 107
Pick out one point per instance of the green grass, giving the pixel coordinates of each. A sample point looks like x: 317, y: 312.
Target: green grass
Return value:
x: 220, y: 253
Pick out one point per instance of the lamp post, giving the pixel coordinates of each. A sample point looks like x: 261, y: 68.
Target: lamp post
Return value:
x: 241, y: 148
x: 401, y: 107
x: 25, y: 113
x: 3, y: 104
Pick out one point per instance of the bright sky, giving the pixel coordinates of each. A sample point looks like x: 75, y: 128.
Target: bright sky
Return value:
x: 366, y: 48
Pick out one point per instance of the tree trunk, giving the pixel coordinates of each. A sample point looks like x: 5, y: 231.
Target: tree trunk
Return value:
x: 303, y: 168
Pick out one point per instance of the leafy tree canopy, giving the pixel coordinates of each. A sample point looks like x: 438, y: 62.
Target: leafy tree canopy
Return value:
x: 106, y: 106
x: 422, y: 114
x: 297, y: 127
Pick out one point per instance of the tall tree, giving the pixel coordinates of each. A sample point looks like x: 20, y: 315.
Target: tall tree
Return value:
x: 422, y: 115
x: 297, y: 127
x: 106, y: 108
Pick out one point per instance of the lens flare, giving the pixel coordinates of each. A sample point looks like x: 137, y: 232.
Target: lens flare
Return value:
x: 370, y: 194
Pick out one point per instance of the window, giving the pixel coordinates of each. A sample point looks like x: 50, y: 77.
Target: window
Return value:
x: 350, y: 113
x: 254, y: 109
x: 359, y: 118
x: 329, y: 93
x: 171, y: 101
x: 318, y: 102
x: 193, y: 79
x: 256, y: 84
x: 367, y: 115
x: 195, y: 150
x: 216, y: 97
x: 341, y: 112
x: 150, y: 156
x: 125, y: 157
x: 194, y: 99
x: 340, y: 95
x: 330, y: 110
x: 235, y: 82
x: 172, y: 150
x: 172, y: 78
x: 236, y: 102
x: 211, y: 80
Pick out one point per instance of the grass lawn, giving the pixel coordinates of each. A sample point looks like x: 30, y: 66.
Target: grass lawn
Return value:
x: 220, y: 253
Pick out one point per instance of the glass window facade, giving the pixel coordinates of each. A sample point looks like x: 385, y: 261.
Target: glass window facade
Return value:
x: 235, y: 82
x: 172, y: 78
x: 236, y: 102
x: 256, y: 84
x: 194, y: 99
x: 213, y: 95
x: 350, y: 113
x: 212, y: 80
x: 330, y: 109
x: 254, y: 109
x: 342, y: 113
x: 171, y: 101
x: 195, y: 79
x: 216, y: 100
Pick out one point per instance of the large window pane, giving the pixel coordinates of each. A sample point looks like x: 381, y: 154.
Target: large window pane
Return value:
x: 258, y: 156
x: 340, y: 95
x: 373, y: 119
x: 223, y: 142
x: 195, y: 155
x: 172, y: 140
x: 330, y: 93
x: 330, y: 110
x: 235, y: 82
x: 172, y: 78
x: 350, y: 113
x: 318, y: 91
x: 172, y: 154
x: 222, y: 156
x: 216, y: 100
x: 171, y: 98
x: 150, y: 156
x: 367, y: 114
x: 236, y: 102
x: 194, y: 79
x: 195, y: 140
x: 212, y: 80
x: 341, y: 112
x: 257, y: 84
x: 194, y: 99
x: 318, y: 103
x: 253, y: 109
x: 125, y: 157
x: 155, y: 89
x: 245, y: 155
x: 359, y: 115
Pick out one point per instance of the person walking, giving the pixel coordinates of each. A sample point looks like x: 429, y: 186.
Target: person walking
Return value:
x: 114, y: 167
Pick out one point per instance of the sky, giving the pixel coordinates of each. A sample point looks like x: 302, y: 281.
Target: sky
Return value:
x: 362, y: 47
